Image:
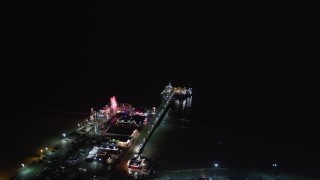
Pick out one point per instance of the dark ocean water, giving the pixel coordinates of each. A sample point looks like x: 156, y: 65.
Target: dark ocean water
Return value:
x: 184, y: 141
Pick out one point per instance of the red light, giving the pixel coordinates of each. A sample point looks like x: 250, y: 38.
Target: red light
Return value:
x: 114, y: 105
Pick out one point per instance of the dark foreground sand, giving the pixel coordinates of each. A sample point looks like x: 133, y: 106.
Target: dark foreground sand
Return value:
x: 25, y: 132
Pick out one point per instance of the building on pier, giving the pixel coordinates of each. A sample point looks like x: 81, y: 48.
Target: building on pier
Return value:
x: 178, y: 92
x: 120, y: 141
x: 123, y: 129
x: 140, y: 166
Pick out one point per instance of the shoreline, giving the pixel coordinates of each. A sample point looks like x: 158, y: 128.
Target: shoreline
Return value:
x: 31, y: 148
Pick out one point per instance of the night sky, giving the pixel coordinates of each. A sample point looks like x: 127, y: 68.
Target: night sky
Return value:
x: 60, y: 51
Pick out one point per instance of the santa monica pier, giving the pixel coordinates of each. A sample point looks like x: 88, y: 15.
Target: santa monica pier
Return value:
x: 106, y: 145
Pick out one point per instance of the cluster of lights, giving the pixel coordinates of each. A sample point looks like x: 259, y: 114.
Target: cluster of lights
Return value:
x: 274, y: 165
x: 46, y: 149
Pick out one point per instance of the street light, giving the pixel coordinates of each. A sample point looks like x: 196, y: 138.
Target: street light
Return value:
x: 64, y: 135
x: 22, y: 165
x: 215, y: 164
x: 46, y: 148
x: 41, y: 150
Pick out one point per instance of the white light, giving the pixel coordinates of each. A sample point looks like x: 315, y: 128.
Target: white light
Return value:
x: 22, y: 165
x: 64, y: 135
x: 215, y: 164
x: 79, y: 125
x: 46, y: 148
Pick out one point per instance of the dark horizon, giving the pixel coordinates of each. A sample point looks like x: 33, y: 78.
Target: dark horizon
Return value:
x: 244, y: 60
x: 61, y: 54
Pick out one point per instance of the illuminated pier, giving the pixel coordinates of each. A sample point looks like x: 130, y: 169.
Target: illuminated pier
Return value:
x: 108, y: 144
